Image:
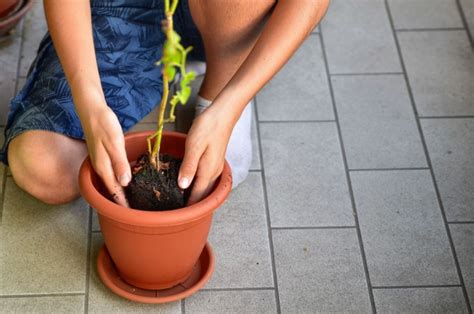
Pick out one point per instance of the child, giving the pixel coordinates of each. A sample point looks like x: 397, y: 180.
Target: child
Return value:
x: 94, y: 78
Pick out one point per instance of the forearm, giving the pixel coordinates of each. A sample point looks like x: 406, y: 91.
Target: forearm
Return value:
x: 70, y: 26
x: 288, y: 26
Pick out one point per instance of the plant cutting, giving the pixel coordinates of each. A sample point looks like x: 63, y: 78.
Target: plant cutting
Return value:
x: 154, y: 184
x: 153, y: 254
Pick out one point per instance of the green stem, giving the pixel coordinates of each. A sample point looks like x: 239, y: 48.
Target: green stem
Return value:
x: 168, y: 60
x: 154, y: 154
x: 156, y: 147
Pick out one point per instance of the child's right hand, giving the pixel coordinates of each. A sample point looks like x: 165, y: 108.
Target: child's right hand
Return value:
x: 76, y: 52
x: 106, y: 146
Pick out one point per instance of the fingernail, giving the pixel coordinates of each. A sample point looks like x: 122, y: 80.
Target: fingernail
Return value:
x: 184, y: 183
x: 125, y: 179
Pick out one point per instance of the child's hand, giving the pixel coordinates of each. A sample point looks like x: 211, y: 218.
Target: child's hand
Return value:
x: 106, y: 145
x: 204, y: 156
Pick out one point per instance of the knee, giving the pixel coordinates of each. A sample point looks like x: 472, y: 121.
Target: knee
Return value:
x: 38, y: 169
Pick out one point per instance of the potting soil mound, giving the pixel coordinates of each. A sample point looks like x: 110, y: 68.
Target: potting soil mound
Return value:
x: 154, y: 190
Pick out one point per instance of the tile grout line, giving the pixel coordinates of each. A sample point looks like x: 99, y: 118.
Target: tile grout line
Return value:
x: 348, y: 179
x: 428, y: 160
x: 464, y: 22
x: 432, y: 29
x: 183, y: 305
x: 2, y: 197
x: 313, y: 228
x: 41, y: 295
x: 22, y: 31
x: 446, y: 117
x: 255, y: 122
x: 267, y: 209
x: 366, y: 74
x: 88, y: 265
x: 238, y: 289
x: 387, y: 169
x: 460, y: 222
x: 4, y: 178
x: 296, y: 121
x: 417, y: 287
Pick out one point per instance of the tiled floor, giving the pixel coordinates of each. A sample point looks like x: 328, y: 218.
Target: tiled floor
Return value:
x: 360, y: 197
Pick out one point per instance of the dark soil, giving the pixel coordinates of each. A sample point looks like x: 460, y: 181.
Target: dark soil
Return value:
x: 154, y: 190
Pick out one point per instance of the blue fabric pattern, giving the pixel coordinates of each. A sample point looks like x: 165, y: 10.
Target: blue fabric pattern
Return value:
x: 128, y: 41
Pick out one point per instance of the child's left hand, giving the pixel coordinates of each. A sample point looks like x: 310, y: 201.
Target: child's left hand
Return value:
x: 205, y: 149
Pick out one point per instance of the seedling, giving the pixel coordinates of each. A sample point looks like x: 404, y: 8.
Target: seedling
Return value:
x: 172, y: 61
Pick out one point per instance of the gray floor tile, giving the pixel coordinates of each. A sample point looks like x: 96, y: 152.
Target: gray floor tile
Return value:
x: 44, y: 247
x: 34, y: 30
x: 300, y: 90
x: 260, y: 301
x: 450, y: 145
x: 320, y: 271
x: 356, y: 43
x: 9, y: 55
x: 402, y: 229
x: 2, y: 169
x: 468, y: 9
x: 2, y: 176
x: 95, y: 221
x: 414, y: 14
x: 20, y: 83
x: 426, y: 300
x: 440, y: 68
x: 256, y: 164
x: 304, y: 173
x: 377, y: 122
x: 43, y: 304
x: 102, y: 300
x: 463, y: 238
x: 239, y: 237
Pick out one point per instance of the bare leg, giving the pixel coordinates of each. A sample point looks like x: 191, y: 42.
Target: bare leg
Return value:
x: 46, y: 165
x: 229, y: 30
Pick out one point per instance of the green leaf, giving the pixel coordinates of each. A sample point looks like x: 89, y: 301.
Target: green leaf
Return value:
x: 184, y: 94
x: 170, y: 72
x: 189, y: 77
x: 171, y: 54
x: 174, y: 100
x: 175, y: 38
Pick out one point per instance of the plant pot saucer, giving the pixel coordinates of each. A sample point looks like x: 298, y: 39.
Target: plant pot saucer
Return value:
x: 200, y: 275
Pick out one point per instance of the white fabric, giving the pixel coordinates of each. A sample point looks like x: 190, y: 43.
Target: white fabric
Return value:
x: 239, y: 149
x: 198, y: 67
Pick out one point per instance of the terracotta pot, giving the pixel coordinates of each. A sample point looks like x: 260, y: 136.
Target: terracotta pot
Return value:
x: 153, y: 250
x: 12, y: 14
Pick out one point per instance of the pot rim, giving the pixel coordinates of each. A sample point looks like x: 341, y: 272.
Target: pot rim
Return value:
x: 143, y: 218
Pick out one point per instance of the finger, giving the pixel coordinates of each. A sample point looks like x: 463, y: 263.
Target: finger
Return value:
x: 116, y: 190
x: 187, y: 171
x: 201, y: 189
x: 207, y: 174
x: 105, y: 171
x: 119, y: 161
